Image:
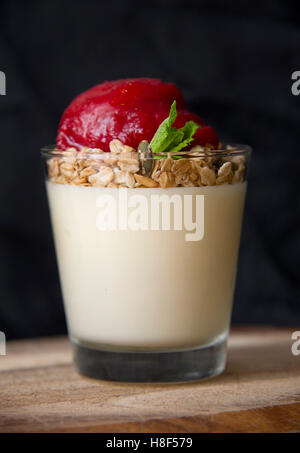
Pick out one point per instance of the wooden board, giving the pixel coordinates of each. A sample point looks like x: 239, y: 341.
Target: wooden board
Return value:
x: 258, y: 392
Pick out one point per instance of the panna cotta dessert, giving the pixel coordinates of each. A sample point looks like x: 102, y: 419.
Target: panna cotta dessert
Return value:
x: 146, y: 207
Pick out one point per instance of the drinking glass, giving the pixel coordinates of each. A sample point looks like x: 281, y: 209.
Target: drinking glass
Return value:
x: 148, y: 273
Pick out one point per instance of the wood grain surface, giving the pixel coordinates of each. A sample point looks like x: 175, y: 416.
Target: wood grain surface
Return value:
x: 258, y: 392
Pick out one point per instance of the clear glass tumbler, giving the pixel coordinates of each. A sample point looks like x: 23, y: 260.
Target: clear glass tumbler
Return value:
x: 147, y: 252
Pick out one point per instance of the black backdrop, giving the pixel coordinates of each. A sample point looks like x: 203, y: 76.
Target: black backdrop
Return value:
x: 233, y: 62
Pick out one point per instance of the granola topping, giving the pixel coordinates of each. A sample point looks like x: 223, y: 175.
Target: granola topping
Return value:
x: 121, y: 167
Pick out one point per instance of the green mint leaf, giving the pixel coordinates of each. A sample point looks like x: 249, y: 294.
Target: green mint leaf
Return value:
x: 165, y: 134
x: 172, y: 115
x: 168, y: 138
x: 188, y: 130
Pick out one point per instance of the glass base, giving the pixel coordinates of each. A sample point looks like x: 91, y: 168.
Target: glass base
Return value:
x: 188, y: 365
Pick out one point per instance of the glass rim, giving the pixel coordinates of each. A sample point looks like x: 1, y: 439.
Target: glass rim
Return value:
x: 234, y: 149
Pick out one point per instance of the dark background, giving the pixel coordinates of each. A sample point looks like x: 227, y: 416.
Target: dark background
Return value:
x: 232, y: 60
